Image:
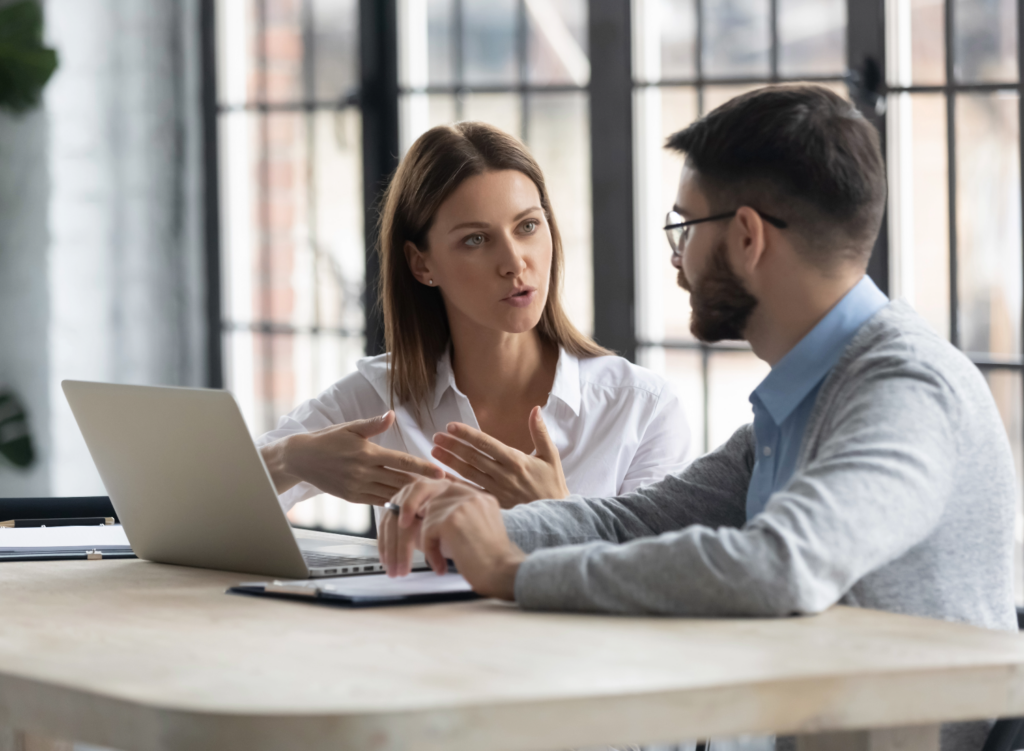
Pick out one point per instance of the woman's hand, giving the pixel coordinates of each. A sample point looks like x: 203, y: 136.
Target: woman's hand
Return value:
x: 451, y: 520
x: 506, y: 473
x: 341, y: 461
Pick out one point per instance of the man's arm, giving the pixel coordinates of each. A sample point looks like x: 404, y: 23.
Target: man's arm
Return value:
x: 712, y: 491
x: 876, y: 488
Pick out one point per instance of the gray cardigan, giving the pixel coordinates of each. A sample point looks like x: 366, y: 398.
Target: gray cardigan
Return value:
x: 902, y: 499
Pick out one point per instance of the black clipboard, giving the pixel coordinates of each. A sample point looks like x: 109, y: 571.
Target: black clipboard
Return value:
x: 368, y: 590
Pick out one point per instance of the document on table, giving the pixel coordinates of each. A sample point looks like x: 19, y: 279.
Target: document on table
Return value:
x: 15, y: 541
x: 368, y: 589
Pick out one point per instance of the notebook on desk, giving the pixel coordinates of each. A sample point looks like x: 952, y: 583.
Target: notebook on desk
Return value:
x: 363, y: 591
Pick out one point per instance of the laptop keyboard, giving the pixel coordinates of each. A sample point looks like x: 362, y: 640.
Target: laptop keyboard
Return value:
x: 319, y: 560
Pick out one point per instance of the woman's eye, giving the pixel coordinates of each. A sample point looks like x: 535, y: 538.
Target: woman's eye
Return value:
x: 530, y: 226
x: 474, y: 241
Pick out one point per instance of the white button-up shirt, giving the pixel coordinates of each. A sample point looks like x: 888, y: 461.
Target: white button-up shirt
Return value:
x: 617, y: 426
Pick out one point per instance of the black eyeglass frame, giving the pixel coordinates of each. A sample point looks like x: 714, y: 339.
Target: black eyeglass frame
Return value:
x: 682, y: 226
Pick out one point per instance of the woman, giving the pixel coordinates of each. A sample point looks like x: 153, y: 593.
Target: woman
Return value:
x: 485, y: 376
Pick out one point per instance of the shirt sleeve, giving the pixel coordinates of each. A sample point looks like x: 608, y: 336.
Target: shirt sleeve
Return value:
x: 711, y: 491
x: 664, y: 448
x: 833, y: 523
x: 322, y: 411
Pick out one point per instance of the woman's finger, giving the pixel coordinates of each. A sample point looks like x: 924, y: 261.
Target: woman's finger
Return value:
x: 468, y: 454
x: 382, y: 457
x: 390, y: 477
x: 468, y: 471
x: 479, y: 440
x: 542, y: 442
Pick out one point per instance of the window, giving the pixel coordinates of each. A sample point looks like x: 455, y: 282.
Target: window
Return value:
x: 953, y: 126
x: 291, y: 210
x: 523, y: 66
x: 689, y: 57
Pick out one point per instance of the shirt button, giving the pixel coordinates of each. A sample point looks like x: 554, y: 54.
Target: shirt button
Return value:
x: 767, y: 451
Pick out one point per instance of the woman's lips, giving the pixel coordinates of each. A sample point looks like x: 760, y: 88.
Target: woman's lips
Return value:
x: 522, y: 299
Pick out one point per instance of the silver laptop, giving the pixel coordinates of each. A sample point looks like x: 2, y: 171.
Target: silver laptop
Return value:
x: 190, y: 487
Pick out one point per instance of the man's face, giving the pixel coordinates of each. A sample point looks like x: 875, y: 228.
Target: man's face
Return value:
x: 720, y: 305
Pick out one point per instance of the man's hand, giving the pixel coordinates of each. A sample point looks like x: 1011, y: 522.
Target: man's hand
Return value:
x: 450, y: 520
x: 506, y: 473
x: 340, y: 460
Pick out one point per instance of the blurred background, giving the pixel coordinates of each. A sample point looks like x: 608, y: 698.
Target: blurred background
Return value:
x: 192, y: 201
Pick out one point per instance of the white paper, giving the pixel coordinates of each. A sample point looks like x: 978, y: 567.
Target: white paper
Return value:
x: 381, y: 586
x: 42, y: 539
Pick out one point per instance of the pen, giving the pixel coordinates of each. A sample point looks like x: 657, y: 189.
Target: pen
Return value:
x: 80, y: 521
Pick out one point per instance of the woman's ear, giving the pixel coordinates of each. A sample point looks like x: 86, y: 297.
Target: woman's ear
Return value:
x: 418, y: 264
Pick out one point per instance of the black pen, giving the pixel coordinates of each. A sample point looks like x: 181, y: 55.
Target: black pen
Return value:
x: 79, y: 521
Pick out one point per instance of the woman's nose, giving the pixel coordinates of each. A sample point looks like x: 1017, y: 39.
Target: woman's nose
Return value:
x: 511, y: 262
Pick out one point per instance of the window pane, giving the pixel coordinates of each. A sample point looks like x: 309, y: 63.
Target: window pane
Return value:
x: 1007, y: 388
x: 421, y: 112
x: 737, y: 38
x: 279, y: 54
x: 426, y: 43
x: 236, y: 46
x: 557, y: 42
x: 916, y: 30
x: 271, y: 374
x: 663, y: 308
x: 331, y: 514
x: 292, y: 219
x: 559, y: 138
x: 919, y: 204
x: 985, y: 39
x: 685, y: 371
x: 988, y: 223
x: 715, y: 96
x: 665, y: 40
x: 333, y: 44
x: 489, y: 46
x: 732, y: 376
x: 336, y: 242
x: 812, y: 37
x: 503, y: 110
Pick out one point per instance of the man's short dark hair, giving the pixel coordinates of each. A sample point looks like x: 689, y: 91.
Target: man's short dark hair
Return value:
x: 798, y: 152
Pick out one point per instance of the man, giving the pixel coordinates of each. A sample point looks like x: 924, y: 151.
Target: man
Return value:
x: 876, y: 473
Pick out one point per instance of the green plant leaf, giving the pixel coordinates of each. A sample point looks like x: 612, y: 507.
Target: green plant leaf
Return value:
x: 25, y: 64
x: 15, y: 441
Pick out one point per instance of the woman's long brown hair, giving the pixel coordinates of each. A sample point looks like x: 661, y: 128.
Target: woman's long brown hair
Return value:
x: 415, y: 322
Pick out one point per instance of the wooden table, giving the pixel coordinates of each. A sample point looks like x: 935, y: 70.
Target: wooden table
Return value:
x: 145, y: 657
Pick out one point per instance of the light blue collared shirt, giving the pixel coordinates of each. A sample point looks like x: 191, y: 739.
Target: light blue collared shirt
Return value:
x: 784, y: 399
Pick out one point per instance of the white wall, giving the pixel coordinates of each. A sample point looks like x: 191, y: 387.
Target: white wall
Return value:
x: 113, y: 265
x: 24, y: 297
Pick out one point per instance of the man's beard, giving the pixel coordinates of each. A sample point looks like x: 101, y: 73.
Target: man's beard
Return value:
x: 720, y: 305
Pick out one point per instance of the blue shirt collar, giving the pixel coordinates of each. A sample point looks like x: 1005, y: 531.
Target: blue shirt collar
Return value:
x: 804, y: 366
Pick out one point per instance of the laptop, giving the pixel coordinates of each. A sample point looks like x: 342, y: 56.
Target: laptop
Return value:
x: 190, y: 487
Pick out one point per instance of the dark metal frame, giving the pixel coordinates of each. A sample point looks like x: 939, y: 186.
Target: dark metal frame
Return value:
x: 211, y: 186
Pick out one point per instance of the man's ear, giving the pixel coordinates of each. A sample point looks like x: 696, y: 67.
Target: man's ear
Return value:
x: 418, y: 265
x: 749, y: 243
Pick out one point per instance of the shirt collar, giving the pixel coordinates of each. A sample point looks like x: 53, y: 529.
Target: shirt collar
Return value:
x: 565, y: 387
x: 445, y: 378
x: 804, y: 366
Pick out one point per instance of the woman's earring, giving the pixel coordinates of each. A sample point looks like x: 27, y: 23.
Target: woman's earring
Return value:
x: 431, y: 282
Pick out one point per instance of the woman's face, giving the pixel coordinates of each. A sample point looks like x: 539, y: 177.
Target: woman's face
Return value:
x: 489, y: 252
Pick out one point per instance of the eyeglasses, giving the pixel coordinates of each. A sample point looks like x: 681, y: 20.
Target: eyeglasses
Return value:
x: 678, y: 231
